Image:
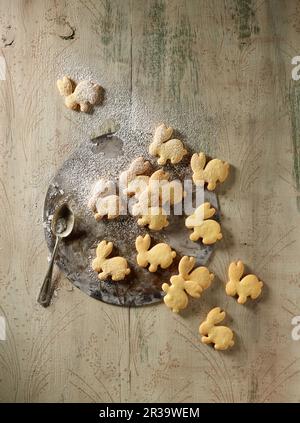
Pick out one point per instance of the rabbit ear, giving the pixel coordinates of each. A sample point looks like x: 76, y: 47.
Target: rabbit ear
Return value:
x: 198, y: 161
x: 165, y: 287
x: 100, y: 248
x: 186, y: 264
x: 204, y: 211
x: 143, y: 244
x: 163, y: 133
x: 109, y: 248
x: 146, y: 242
x: 191, y: 221
x: 208, y: 211
x: 167, y: 133
x: 104, y: 248
x: 139, y: 166
x: 236, y: 270
x: 139, y: 244
x: 216, y: 315
x: 159, y: 175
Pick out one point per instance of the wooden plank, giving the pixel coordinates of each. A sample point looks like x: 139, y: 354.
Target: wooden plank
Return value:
x: 77, y: 349
x: 215, y: 68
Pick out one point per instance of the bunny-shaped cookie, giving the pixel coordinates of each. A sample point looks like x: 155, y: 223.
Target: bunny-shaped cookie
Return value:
x: 156, y: 219
x: 249, y: 286
x: 150, y: 197
x: 160, y: 191
x: 166, y: 148
x: 85, y: 95
x: 221, y: 336
x: 137, y: 169
x: 197, y: 280
x: 103, y: 201
x: 116, y: 267
x: 108, y: 206
x: 176, y: 298
x: 101, y: 188
x: 209, y: 230
x: 138, y: 185
x: 184, y: 283
x: 171, y: 192
x: 215, y: 171
x: 159, y: 255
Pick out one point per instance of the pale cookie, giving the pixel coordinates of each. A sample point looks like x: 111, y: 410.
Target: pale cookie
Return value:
x: 159, y: 175
x: 249, y: 286
x: 221, y: 336
x: 159, y: 255
x: 166, y: 148
x: 139, y: 166
x: 103, y: 202
x: 146, y: 200
x: 186, y: 282
x: 101, y: 188
x: 171, y: 192
x: 159, y: 192
x: 137, y: 186
x: 209, y: 230
x: 107, y: 206
x: 156, y: 219
x: 65, y: 86
x: 85, y: 95
x: 151, y: 196
x: 215, y: 171
x: 116, y: 267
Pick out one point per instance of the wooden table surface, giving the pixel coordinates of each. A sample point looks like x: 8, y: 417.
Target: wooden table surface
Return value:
x: 224, y: 65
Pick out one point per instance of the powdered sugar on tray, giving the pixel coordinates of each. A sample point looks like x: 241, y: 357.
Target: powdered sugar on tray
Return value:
x: 106, y: 158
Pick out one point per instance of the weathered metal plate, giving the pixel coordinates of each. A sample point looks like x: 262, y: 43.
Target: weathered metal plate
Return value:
x: 72, y: 185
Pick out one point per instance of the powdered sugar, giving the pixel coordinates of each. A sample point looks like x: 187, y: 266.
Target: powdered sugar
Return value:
x: 112, y: 155
x: 137, y: 115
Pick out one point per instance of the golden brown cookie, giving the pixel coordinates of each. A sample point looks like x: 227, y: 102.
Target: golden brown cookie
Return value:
x: 166, y: 148
x: 221, y: 336
x: 65, y: 86
x: 103, y: 202
x: 186, y: 282
x: 215, y: 171
x: 107, y: 206
x: 83, y: 96
x: 249, y: 286
x: 207, y: 229
x: 116, y: 267
x: 155, y: 218
x: 159, y: 255
x: 138, y: 167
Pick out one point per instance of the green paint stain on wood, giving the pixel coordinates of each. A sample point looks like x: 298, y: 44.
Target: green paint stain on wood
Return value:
x: 152, y: 55
x: 295, y: 121
x: 107, y: 24
x: 244, y: 16
x: 168, y: 50
x: 182, y: 42
x: 111, y: 24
